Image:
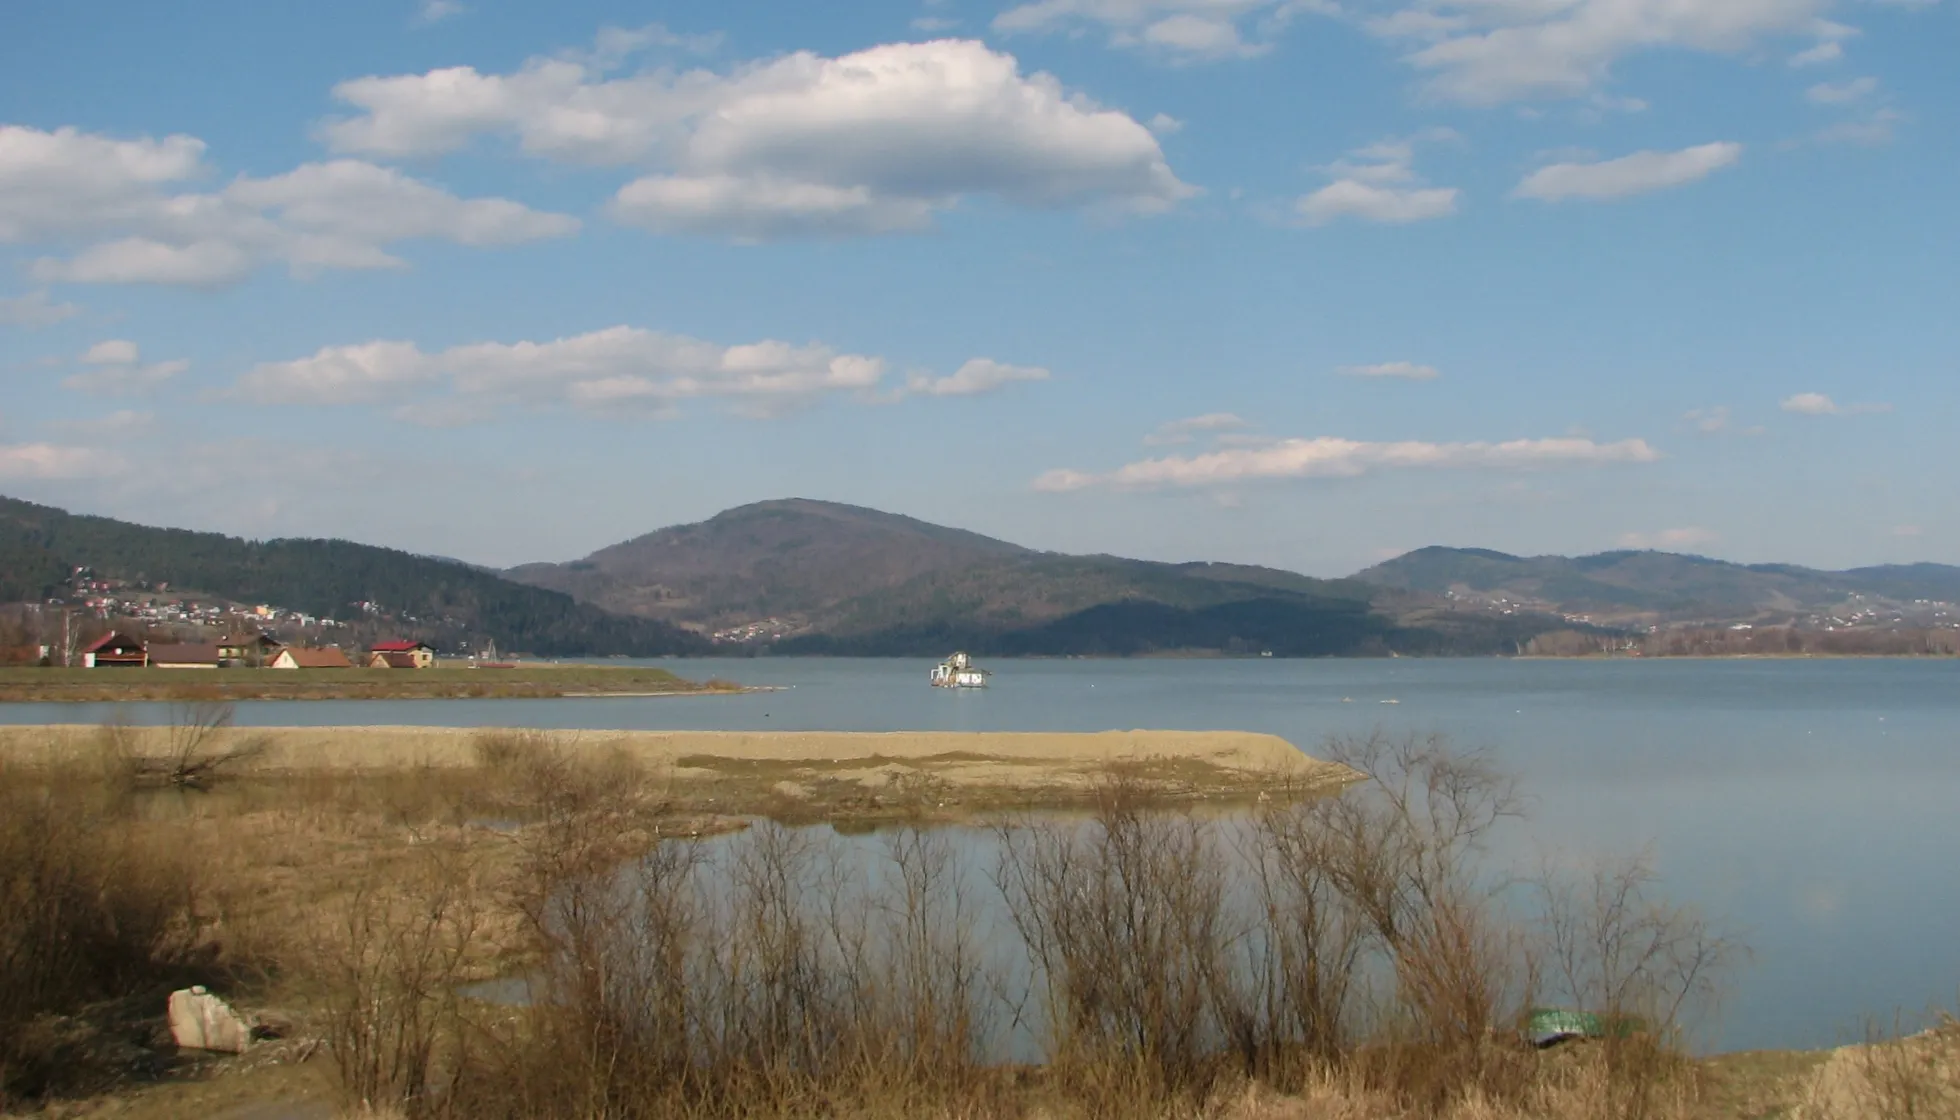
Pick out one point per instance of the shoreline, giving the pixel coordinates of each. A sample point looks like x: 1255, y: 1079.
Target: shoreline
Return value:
x: 533, y: 681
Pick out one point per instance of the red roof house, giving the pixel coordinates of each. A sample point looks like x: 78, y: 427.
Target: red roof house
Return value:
x: 303, y: 657
x: 400, y: 654
x: 114, y: 649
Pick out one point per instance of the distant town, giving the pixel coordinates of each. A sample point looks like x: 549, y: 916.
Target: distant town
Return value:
x: 108, y: 623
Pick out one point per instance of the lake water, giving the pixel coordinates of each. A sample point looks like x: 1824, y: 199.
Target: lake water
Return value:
x: 1810, y: 807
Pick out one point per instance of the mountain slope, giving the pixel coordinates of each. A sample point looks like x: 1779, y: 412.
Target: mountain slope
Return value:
x: 1659, y: 584
x: 788, y: 557
x: 40, y: 545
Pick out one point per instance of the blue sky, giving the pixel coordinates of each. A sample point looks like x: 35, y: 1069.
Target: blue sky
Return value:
x: 1296, y: 282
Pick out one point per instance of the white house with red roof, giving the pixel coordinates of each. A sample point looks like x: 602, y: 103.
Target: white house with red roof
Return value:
x: 401, y: 654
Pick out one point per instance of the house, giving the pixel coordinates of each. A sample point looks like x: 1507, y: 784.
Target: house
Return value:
x: 247, y: 649
x: 114, y: 650
x: 302, y: 657
x: 417, y: 655
x: 187, y: 655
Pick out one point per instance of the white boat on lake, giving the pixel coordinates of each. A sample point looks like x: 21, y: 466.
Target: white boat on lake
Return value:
x: 959, y: 671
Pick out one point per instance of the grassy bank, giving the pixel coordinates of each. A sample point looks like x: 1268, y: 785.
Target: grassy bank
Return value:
x: 525, y: 681
x: 842, y: 777
x: 1311, y: 958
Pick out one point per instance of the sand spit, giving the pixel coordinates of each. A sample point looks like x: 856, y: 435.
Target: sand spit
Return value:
x: 1198, y: 761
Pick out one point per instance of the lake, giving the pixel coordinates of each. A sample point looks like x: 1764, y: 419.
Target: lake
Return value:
x: 1811, y: 807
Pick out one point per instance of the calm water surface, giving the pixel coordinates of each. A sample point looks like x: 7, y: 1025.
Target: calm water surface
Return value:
x: 1812, y: 807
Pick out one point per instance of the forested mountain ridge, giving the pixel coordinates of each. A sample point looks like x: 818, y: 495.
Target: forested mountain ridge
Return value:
x: 1662, y: 586
x: 40, y: 546
x: 802, y: 576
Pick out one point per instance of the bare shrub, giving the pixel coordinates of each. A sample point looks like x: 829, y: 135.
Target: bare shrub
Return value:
x: 511, y: 751
x: 192, y: 750
x: 1127, y: 926
x: 389, y: 979
x: 88, y: 912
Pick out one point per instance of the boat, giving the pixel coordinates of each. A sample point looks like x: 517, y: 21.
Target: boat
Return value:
x: 959, y: 671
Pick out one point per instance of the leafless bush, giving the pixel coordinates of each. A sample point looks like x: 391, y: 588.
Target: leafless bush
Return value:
x: 1130, y: 934
x: 88, y: 912
x: 193, y: 749
x: 389, y: 979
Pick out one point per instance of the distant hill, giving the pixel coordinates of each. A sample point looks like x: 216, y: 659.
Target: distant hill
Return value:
x: 788, y: 557
x: 40, y: 546
x: 841, y: 579
x: 1662, y: 585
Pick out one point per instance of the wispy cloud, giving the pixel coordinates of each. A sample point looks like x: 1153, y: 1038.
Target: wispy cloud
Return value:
x: 35, y: 310
x: 115, y: 367
x: 1403, y: 371
x: 977, y: 376
x: 1818, y: 404
x: 1378, y: 183
x: 1638, y: 173
x: 1841, y: 93
x: 1329, y: 457
x: 435, y: 11
x: 1191, y: 427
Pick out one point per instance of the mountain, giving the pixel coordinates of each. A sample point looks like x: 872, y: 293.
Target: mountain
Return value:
x: 789, y: 557
x: 815, y: 577
x: 1660, y: 586
x: 40, y: 546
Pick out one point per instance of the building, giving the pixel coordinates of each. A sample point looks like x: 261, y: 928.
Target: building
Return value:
x: 187, y: 655
x: 247, y: 649
x: 114, y: 650
x: 417, y: 655
x: 302, y: 657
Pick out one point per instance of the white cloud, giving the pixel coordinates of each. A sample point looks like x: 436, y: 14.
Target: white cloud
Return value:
x: 1708, y: 421
x: 116, y: 368
x: 1328, y: 457
x: 1187, y: 429
x: 875, y: 141
x: 619, y: 368
x: 112, y: 351
x: 1877, y: 128
x: 1629, y: 175
x: 1817, y: 404
x: 1908, y: 531
x: 1828, y: 51
x: 1406, y: 371
x: 435, y: 11
x: 1841, y: 93
x: 1492, y: 51
x: 978, y: 375
x: 115, y: 198
x: 1177, y: 30
x: 1378, y: 183
x: 52, y: 460
x: 34, y: 310
x: 1668, y: 539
